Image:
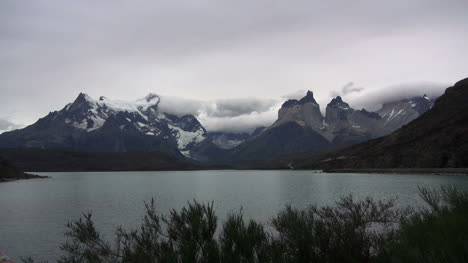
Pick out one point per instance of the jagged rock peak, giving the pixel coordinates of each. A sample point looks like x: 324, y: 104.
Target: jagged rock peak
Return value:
x: 338, y: 103
x: 83, y: 97
x: 308, y: 98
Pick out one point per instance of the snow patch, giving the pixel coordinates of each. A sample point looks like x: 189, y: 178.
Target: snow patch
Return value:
x: 184, y: 138
x: 138, y: 106
x: 82, y: 125
x: 185, y: 153
x: 98, y: 122
x: 393, y: 114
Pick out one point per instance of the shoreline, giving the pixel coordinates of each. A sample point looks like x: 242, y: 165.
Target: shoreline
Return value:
x: 434, y: 171
x: 25, y: 177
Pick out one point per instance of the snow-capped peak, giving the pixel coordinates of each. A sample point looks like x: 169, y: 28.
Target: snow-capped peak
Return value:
x: 124, y: 106
x: 141, y: 115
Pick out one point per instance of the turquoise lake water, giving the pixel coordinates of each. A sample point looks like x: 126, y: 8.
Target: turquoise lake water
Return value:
x: 33, y: 213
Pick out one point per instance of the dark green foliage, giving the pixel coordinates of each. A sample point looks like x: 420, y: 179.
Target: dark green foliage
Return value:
x: 191, y: 233
x: 185, y: 236
x: 85, y: 243
x: 437, y: 234
x: 241, y: 242
x: 351, y: 231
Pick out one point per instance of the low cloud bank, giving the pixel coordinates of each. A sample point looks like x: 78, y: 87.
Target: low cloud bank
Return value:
x: 231, y: 115
x: 244, y: 115
x: 373, y: 99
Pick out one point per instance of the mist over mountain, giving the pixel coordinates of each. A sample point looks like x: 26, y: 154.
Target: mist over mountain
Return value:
x: 373, y: 99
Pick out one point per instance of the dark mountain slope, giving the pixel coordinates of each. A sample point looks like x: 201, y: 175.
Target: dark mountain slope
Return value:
x: 38, y: 160
x: 437, y: 139
x: 287, y: 138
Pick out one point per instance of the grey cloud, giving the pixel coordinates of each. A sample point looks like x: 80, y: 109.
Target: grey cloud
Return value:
x: 348, y: 88
x: 295, y: 95
x: 236, y: 115
x: 6, y: 125
x: 51, y: 50
x: 181, y: 106
x: 242, y: 123
x: 238, y: 107
x: 373, y: 100
x: 216, y: 108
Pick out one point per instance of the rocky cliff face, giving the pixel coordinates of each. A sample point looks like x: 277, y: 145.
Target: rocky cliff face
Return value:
x: 344, y: 125
x: 305, y: 112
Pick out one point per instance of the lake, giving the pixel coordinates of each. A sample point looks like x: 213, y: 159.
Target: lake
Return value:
x: 33, y: 213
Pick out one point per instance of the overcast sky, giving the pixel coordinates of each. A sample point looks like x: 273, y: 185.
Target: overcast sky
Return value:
x: 253, y: 53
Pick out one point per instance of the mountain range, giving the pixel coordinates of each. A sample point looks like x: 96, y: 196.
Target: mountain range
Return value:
x: 301, y: 127
x: 437, y: 139
x: 105, y: 126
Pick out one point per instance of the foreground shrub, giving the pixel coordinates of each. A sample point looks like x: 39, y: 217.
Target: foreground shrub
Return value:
x: 241, y: 242
x: 349, y: 231
x: 436, y: 234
